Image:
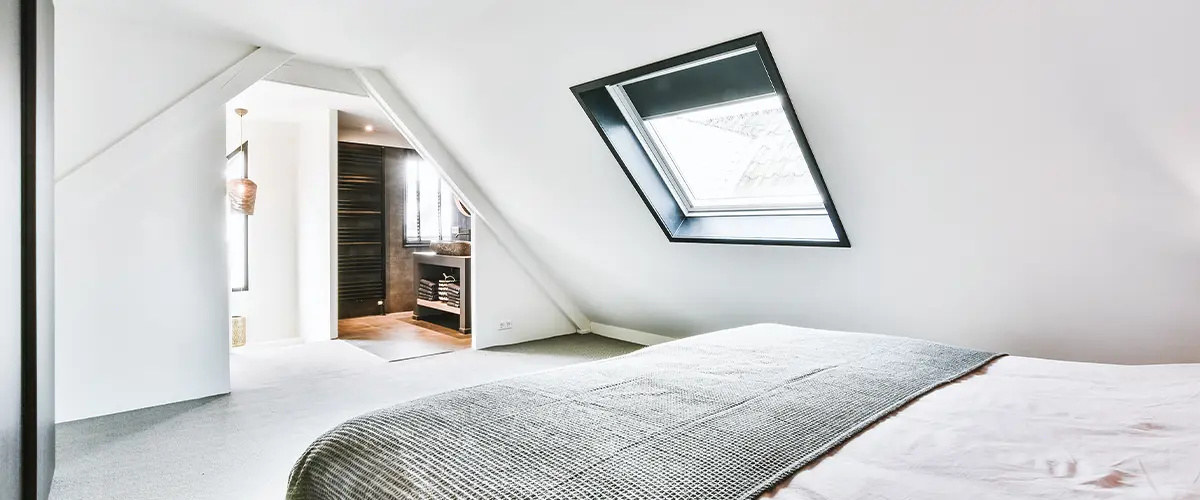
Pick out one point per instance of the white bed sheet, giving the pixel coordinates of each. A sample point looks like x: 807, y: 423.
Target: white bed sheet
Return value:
x: 1030, y: 429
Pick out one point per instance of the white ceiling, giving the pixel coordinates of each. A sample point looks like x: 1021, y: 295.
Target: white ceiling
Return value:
x: 346, y: 32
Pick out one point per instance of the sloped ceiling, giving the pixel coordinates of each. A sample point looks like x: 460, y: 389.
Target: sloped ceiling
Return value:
x: 1014, y: 175
x: 349, y: 32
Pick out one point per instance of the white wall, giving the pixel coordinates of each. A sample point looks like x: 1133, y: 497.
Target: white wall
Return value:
x: 270, y: 304
x: 141, y: 287
x: 502, y: 291
x: 10, y: 251
x: 141, y: 283
x: 113, y: 76
x: 316, y: 233
x: 1018, y: 176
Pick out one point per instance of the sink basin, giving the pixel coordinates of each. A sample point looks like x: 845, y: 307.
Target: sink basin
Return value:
x: 455, y: 248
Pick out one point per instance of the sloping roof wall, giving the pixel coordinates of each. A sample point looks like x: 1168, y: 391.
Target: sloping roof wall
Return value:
x: 1014, y: 175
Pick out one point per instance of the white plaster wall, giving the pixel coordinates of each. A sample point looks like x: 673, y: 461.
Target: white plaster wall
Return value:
x: 316, y: 207
x: 502, y: 291
x: 141, y: 284
x: 114, y: 75
x: 141, y: 288
x: 270, y: 304
x: 1018, y: 176
x: 10, y: 250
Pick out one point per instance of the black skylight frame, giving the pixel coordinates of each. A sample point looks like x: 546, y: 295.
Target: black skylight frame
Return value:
x: 752, y: 229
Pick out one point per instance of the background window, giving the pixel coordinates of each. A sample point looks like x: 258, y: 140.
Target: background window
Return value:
x: 429, y: 211
x: 713, y: 146
x: 237, y: 224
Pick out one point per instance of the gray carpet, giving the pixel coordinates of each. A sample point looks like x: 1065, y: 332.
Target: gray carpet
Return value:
x: 242, y: 445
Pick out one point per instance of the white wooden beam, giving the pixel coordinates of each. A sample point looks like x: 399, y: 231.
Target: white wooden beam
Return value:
x: 318, y: 76
x: 405, y: 118
x: 184, y: 112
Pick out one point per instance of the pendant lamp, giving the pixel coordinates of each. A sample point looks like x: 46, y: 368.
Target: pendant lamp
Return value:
x: 241, y: 192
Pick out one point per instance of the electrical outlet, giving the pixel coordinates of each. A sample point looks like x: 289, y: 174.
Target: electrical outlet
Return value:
x: 506, y: 324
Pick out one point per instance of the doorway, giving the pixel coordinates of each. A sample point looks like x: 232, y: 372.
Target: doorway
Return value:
x: 344, y: 208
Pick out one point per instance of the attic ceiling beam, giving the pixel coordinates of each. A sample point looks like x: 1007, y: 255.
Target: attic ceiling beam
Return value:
x: 187, y: 110
x: 318, y: 76
x: 405, y: 118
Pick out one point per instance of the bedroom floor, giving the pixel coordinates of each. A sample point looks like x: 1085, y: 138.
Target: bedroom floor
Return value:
x: 397, y: 337
x: 242, y: 445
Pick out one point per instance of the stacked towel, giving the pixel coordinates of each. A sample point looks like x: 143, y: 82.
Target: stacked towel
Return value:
x: 451, y: 294
x: 427, y: 290
x: 449, y: 291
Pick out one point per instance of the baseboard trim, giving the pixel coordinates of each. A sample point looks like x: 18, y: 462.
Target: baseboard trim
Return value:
x: 628, y: 335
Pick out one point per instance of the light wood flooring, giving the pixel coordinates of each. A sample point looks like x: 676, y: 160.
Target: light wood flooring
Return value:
x: 397, y: 336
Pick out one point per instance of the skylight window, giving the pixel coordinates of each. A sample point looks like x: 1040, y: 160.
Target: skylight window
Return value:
x: 740, y: 156
x: 711, y: 142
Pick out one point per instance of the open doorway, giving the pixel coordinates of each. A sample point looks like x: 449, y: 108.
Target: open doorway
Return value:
x: 345, y: 218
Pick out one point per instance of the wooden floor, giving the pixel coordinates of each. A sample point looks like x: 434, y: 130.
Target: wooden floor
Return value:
x: 401, y: 333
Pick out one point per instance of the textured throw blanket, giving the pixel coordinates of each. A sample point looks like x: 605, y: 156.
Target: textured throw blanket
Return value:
x: 720, y: 416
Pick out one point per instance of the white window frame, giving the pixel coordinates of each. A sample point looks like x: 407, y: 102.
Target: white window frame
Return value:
x: 670, y: 173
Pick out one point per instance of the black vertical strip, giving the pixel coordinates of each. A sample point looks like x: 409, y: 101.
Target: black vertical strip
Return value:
x: 29, y: 385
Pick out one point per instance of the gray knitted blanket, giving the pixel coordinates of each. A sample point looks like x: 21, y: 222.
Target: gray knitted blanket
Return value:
x: 726, y: 415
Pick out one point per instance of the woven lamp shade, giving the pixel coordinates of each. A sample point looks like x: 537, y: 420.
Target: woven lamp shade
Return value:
x: 241, y: 193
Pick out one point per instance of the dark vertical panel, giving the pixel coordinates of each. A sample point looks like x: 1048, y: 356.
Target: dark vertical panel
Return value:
x: 400, y: 296
x: 360, y: 230
x: 26, y: 257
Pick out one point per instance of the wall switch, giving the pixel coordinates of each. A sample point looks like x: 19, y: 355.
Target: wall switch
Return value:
x: 506, y: 324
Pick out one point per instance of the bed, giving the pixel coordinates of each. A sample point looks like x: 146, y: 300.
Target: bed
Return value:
x: 840, y: 416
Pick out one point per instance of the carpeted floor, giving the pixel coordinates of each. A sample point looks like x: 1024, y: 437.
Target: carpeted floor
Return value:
x: 242, y: 445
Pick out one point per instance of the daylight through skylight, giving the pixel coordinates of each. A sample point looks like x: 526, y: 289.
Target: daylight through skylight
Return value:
x: 737, y: 156
x: 714, y: 148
